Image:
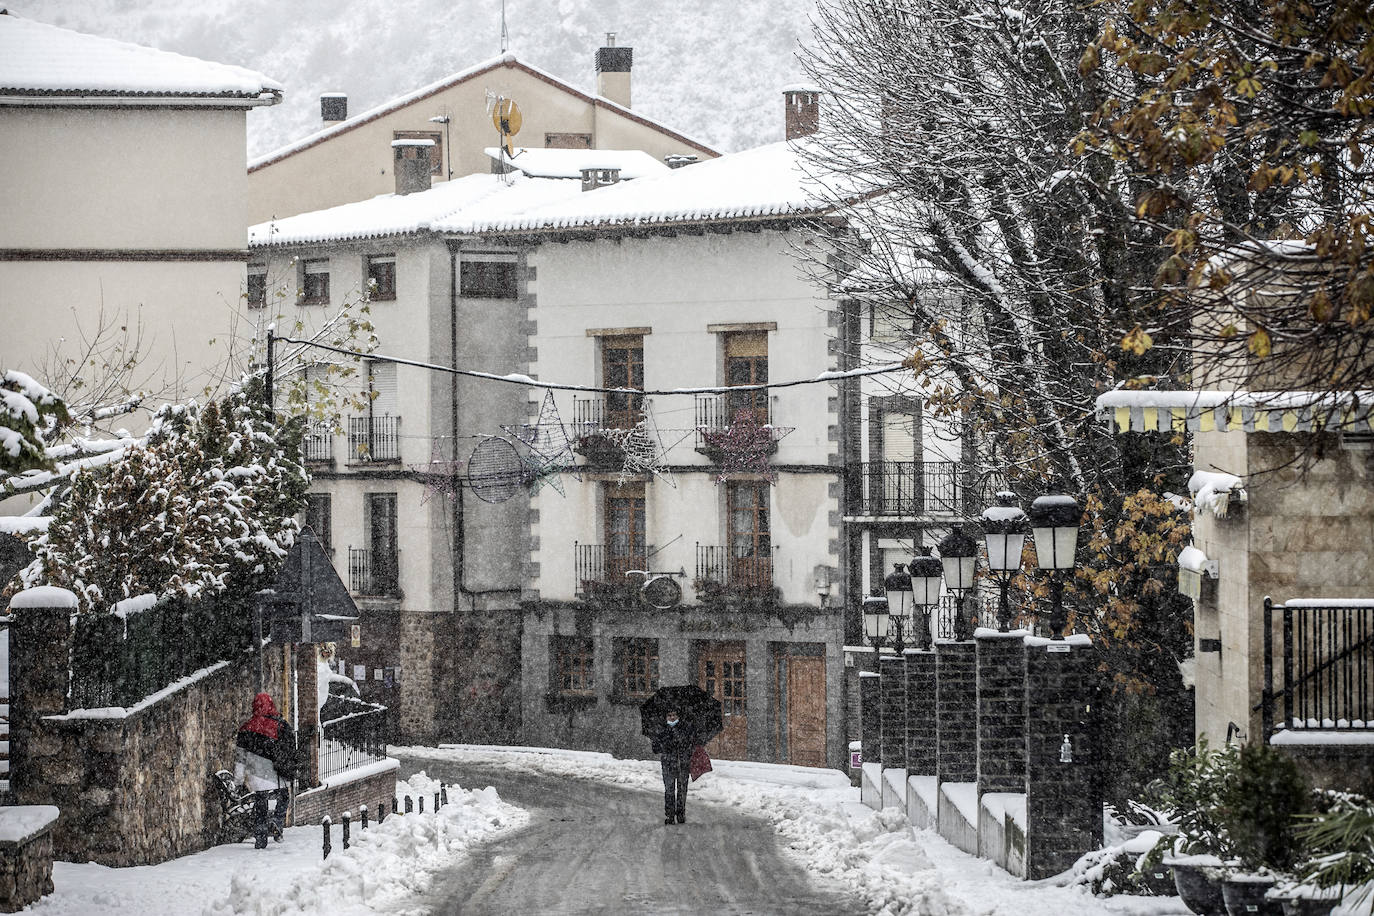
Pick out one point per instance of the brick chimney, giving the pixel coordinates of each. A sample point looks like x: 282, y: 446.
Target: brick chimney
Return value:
x: 613, y: 71
x: 334, y: 106
x: 802, y: 107
x: 410, y: 162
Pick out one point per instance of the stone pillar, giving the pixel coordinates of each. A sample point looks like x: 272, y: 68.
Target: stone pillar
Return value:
x: 40, y: 653
x: 870, y: 728
x: 1001, y: 686
x: 1063, y: 803
x: 892, y: 684
x: 956, y: 720
x: 308, y: 728
x: 920, y: 712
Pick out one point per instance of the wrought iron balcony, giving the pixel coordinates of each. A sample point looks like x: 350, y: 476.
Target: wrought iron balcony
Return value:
x: 374, y: 439
x: 372, y: 574
x: 724, y: 567
x: 909, y: 489
x: 606, y: 411
x: 600, y: 571
x: 1321, y: 674
x: 317, y: 445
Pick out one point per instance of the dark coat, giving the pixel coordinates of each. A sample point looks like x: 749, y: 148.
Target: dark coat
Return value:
x: 675, y: 742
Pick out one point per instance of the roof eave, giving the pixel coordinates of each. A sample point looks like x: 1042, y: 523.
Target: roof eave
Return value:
x: 43, y: 99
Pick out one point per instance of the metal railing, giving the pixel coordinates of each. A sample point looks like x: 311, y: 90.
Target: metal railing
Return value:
x: 1326, y: 659
x: 911, y: 489
x: 373, y: 574
x: 352, y: 739
x: 374, y: 439
x: 598, y: 569
x: 732, y: 568
x: 613, y: 411
x: 120, y: 660
x: 318, y: 442
x: 718, y: 411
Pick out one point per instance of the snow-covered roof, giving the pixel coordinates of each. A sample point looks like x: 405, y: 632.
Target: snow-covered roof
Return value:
x: 1223, y: 411
x: 45, y: 61
x: 765, y: 182
x: 504, y: 60
x: 569, y: 163
x: 474, y: 197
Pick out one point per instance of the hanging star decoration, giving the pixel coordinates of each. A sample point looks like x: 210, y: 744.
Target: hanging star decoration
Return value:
x: 744, y: 446
x: 550, y: 448
x: 643, y: 448
x: 440, y: 477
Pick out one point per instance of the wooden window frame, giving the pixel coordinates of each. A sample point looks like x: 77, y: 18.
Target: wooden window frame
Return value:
x: 488, y: 275
x: 573, y: 663
x: 315, y: 282
x: 747, y: 368
x: 636, y: 668
x: 383, y: 291
x: 622, y: 410
x: 631, y: 494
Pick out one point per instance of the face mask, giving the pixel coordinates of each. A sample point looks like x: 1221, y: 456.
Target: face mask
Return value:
x: 672, y: 721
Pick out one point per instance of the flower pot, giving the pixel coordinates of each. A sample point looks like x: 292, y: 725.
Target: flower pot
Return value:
x: 1199, y: 892
x: 1244, y: 896
x: 1306, y: 906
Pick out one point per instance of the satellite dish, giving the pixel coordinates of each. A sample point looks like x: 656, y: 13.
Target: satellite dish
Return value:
x: 495, y: 471
x: 661, y: 593
x: 505, y: 115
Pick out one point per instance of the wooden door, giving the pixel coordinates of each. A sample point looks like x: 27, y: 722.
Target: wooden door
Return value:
x: 720, y: 672
x: 799, y: 710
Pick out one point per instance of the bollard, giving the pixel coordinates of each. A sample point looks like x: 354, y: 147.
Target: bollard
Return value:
x: 443, y: 792
x: 393, y: 804
x: 381, y: 810
x: 422, y: 803
x: 436, y: 802
x: 325, y: 823
x: 362, y: 813
x: 410, y: 806
x: 345, y: 829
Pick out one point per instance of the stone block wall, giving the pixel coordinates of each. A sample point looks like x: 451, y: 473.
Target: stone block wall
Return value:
x: 956, y: 698
x: 870, y: 729
x: 1063, y: 800
x: 461, y: 677
x: 921, y: 740
x: 892, y: 715
x: 1001, y: 687
x: 25, y: 871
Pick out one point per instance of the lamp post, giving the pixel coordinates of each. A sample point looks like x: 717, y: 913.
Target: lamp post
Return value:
x: 897, y: 586
x: 1054, y: 521
x: 926, y: 573
x: 959, y: 557
x: 1004, y: 530
x: 875, y: 621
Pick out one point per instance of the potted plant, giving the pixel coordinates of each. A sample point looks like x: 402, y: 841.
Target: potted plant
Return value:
x: 600, y: 449
x: 1337, y: 863
x: 1192, y: 790
x: 1260, y: 807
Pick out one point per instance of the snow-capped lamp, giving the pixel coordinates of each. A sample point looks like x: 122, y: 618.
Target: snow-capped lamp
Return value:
x: 875, y: 621
x: 897, y: 587
x: 1054, y: 522
x: 959, y: 557
x: 927, y: 575
x: 1004, y: 531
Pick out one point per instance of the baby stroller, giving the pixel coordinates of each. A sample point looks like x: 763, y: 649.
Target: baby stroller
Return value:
x: 236, y: 808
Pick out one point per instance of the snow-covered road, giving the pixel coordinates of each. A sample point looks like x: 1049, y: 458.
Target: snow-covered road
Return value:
x: 594, y: 847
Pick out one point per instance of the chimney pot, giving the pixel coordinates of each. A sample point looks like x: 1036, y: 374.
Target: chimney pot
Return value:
x: 613, y: 72
x: 593, y: 178
x: 334, y: 106
x: 678, y: 160
x: 802, y: 110
x: 411, y: 165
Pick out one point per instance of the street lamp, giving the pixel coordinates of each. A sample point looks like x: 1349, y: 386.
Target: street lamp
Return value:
x: 959, y: 557
x: 926, y: 573
x: 875, y: 620
x: 1004, y: 530
x: 1054, y: 521
x: 897, y: 585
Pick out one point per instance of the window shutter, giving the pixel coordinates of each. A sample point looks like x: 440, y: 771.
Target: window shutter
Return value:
x: 383, y: 378
x: 899, y: 436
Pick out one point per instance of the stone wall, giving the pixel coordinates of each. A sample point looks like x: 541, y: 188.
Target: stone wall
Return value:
x: 25, y: 862
x: 956, y: 702
x: 376, y: 787
x: 870, y: 716
x: 921, y: 741
x: 1001, y: 685
x: 892, y: 710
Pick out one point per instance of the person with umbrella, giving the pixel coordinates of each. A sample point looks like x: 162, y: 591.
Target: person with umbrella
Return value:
x: 678, y: 722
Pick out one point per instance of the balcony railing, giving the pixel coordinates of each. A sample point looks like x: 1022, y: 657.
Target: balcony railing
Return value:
x: 374, y: 439
x: 608, y: 411
x: 318, y: 442
x: 600, y: 570
x: 910, y: 489
x: 372, y: 574
x: 732, y: 568
x: 1325, y: 662
x: 354, y: 737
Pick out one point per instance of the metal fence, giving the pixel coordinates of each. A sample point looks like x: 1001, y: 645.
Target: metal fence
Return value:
x: 374, y: 439
x: 318, y: 442
x: 354, y: 738
x: 1326, y: 662
x: 611, y: 411
x: 910, y: 489
x: 373, y: 573
x: 733, y: 567
x: 598, y: 568
x: 119, y: 660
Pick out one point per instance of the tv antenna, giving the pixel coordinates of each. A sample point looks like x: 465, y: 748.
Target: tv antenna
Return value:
x: 505, y: 36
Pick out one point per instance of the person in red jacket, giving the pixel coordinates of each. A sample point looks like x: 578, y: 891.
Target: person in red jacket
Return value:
x: 265, y: 762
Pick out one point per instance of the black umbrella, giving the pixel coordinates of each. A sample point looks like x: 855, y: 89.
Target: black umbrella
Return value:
x: 696, y: 707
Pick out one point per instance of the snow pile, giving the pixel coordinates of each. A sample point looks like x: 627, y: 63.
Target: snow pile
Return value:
x: 386, y: 863
x: 1212, y: 492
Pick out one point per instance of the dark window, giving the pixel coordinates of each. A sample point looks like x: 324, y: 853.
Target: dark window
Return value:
x: 381, y: 277
x: 625, y: 548
x: 746, y: 363
x: 636, y: 665
x: 567, y: 141
x: 257, y: 287
x: 319, y: 516
x: 487, y: 277
x: 315, y: 283
x: 622, y: 366
x: 436, y: 152
x: 573, y: 658
x: 382, y: 546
